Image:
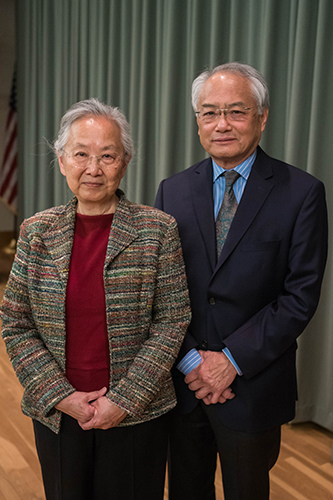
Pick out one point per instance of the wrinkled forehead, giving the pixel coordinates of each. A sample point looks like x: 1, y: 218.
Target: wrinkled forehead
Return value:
x: 95, y: 130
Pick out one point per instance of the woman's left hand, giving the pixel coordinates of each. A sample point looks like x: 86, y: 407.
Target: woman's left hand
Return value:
x: 107, y: 415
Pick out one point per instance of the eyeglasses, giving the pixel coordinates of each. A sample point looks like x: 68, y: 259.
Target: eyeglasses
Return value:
x: 80, y: 159
x: 233, y: 114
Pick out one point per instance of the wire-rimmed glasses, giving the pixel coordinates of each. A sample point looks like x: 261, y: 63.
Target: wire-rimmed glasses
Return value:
x: 81, y: 159
x: 210, y: 114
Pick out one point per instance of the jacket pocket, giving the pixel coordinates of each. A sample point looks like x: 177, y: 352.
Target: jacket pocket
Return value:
x: 260, y: 246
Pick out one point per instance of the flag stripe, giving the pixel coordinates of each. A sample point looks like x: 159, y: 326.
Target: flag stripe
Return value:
x: 9, y: 166
x: 10, y: 150
x: 10, y: 178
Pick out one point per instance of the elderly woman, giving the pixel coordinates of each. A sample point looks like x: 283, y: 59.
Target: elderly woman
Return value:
x: 93, y: 315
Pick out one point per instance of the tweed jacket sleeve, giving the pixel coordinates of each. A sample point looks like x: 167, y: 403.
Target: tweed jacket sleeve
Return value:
x: 147, y: 309
x: 33, y: 330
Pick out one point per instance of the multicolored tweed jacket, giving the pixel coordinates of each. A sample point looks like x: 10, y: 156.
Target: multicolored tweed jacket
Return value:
x: 147, y: 310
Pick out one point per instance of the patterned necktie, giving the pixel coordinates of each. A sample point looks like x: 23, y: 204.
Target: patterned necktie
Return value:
x: 227, y: 210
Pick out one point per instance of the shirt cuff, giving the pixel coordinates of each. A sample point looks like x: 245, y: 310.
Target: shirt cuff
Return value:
x: 190, y: 361
x: 231, y: 359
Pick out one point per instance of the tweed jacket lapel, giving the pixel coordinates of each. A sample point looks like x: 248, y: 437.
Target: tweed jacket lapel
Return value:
x: 123, y: 230
x: 58, y: 239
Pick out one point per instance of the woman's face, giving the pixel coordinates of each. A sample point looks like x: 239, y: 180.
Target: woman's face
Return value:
x: 94, y: 183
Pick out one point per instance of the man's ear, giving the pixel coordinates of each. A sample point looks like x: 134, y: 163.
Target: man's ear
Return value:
x: 198, y: 125
x: 264, y: 118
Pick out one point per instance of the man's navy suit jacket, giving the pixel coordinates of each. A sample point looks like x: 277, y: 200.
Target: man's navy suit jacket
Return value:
x: 264, y: 289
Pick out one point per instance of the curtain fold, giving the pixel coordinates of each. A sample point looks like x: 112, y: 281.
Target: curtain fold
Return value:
x: 142, y: 55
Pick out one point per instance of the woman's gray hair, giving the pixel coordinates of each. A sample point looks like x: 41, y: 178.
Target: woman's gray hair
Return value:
x: 93, y: 107
x: 258, y: 84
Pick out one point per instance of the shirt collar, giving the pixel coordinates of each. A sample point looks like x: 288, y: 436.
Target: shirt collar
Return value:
x: 243, y: 168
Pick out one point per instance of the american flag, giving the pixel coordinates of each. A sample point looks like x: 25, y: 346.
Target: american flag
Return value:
x: 8, y: 171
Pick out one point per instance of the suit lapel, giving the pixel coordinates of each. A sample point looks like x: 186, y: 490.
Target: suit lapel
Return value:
x: 201, y: 185
x: 256, y: 191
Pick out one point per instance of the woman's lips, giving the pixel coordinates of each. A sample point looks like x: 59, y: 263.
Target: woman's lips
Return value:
x: 92, y: 184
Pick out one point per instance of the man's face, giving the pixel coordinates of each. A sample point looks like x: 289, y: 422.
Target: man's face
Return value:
x: 230, y: 142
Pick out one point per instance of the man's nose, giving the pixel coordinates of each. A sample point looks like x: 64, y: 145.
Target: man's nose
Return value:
x: 222, y: 121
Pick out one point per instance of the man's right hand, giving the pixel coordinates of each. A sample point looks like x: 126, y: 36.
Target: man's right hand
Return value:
x: 226, y: 394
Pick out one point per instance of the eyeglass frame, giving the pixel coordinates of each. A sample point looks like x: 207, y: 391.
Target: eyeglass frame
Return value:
x: 218, y: 112
x: 89, y: 159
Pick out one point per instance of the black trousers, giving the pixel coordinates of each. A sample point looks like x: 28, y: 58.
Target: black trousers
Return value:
x: 246, y: 458
x: 114, y: 464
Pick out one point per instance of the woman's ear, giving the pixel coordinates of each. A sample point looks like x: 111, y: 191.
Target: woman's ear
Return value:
x: 61, y: 164
x: 126, y: 161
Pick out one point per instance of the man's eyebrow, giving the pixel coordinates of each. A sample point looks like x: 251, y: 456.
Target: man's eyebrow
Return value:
x: 238, y: 103
x: 206, y: 105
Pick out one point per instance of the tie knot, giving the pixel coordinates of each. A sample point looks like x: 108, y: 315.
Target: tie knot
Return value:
x: 231, y: 177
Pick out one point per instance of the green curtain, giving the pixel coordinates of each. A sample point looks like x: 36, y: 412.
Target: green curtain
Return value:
x: 142, y: 56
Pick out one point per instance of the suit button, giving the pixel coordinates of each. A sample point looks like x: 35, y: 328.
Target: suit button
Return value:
x: 204, y: 345
x: 212, y: 301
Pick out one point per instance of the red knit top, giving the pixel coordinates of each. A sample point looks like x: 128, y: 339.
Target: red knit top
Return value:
x: 87, y: 348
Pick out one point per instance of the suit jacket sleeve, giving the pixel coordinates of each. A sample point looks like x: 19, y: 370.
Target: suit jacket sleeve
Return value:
x: 189, y: 341
x: 274, y: 328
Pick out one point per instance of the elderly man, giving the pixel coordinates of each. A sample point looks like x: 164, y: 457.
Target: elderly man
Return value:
x: 254, y: 237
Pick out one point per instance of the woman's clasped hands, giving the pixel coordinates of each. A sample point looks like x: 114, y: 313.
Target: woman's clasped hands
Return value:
x: 92, y: 410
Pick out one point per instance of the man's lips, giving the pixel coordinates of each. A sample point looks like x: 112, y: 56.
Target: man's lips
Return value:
x: 223, y: 140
